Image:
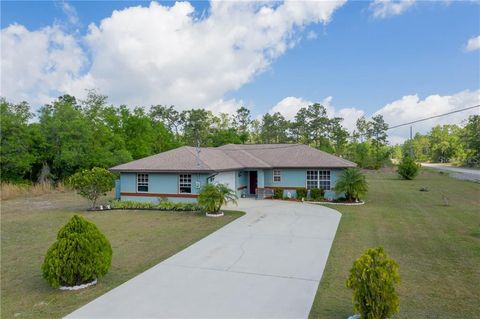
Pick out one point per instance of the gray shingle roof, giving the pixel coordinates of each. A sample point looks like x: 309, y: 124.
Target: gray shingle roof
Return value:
x: 235, y: 156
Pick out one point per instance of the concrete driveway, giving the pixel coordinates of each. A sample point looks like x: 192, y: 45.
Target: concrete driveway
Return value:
x: 266, y: 264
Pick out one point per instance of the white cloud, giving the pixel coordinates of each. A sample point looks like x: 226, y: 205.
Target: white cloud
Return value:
x: 290, y: 105
x: 225, y: 106
x: 71, y: 13
x: 410, y: 108
x: 160, y: 54
x: 473, y: 44
x: 38, y: 65
x: 387, y: 8
x: 312, y: 35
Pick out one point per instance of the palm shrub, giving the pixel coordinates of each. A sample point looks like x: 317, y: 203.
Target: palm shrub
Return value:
x: 352, y: 183
x: 212, y: 197
x: 373, y: 278
x: 408, y: 168
x: 80, y: 255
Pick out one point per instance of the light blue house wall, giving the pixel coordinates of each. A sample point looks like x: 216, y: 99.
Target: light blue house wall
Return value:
x: 166, y: 184
x: 241, y: 182
x: 159, y: 185
x: 297, y: 178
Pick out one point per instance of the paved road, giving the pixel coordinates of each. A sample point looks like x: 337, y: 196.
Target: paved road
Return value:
x: 266, y: 264
x: 470, y: 174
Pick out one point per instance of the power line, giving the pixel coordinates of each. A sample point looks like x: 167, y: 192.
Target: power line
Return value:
x: 432, y: 117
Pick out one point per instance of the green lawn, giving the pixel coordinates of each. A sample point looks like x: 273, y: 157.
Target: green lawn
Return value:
x: 437, y: 247
x: 140, y: 239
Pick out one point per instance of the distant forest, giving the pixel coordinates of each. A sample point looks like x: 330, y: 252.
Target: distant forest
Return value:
x: 71, y: 134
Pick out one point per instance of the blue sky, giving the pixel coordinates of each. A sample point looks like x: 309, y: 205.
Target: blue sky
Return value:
x: 356, y: 59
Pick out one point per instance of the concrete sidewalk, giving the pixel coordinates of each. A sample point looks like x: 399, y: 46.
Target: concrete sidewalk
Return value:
x: 266, y: 264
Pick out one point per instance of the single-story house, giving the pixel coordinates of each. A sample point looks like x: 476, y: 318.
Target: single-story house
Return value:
x: 180, y: 173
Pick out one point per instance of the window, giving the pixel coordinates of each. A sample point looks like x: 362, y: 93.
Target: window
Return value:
x: 324, y: 180
x: 277, y: 176
x: 185, y: 183
x: 142, y: 183
x: 318, y: 179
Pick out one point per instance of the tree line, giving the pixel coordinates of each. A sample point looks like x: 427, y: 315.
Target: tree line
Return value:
x: 446, y: 143
x: 69, y: 134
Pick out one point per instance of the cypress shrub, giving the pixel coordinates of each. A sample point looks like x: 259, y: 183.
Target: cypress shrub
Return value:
x: 408, y: 168
x: 373, y: 278
x: 80, y: 255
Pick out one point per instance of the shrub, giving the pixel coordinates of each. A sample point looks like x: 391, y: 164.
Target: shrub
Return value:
x: 317, y: 194
x: 164, y: 205
x: 352, y: 183
x: 301, y: 193
x: 80, y: 254
x: 93, y: 183
x: 373, y: 278
x: 212, y: 197
x: 408, y: 168
x: 277, y: 193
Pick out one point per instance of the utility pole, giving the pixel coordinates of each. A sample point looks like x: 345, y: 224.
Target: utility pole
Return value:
x: 411, y: 141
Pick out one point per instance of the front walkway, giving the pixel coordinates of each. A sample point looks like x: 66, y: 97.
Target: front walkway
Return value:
x: 266, y: 264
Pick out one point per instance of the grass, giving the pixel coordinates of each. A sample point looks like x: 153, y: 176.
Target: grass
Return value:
x: 436, y: 246
x: 10, y: 190
x: 140, y: 239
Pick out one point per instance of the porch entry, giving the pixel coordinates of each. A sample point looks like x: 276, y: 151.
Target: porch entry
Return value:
x: 253, y: 182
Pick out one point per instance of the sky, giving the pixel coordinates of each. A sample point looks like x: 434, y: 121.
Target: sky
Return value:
x: 405, y: 60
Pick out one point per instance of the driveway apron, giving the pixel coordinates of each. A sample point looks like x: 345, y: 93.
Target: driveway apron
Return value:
x: 266, y: 264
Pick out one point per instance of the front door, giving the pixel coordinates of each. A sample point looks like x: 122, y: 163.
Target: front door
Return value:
x: 253, y: 182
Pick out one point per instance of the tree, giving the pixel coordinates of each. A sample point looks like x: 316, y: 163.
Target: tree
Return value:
x: 80, y: 254
x: 16, y: 141
x: 197, y: 127
x: 407, y: 168
x: 274, y: 129
x: 378, y: 133
x: 471, y: 139
x: 212, y: 197
x: 241, y: 122
x: 93, y: 183
x: 373, y: 278
x: 338, y: 135
x: 352, y: 183
x: 67, y: 137
x: 170, y: 117
x: 445, y: 143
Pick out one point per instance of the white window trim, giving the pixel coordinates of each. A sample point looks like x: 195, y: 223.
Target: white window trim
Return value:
x: 148, y: 182
x: 279, y: 176
x: 318, y: 178
x: 191, y: 184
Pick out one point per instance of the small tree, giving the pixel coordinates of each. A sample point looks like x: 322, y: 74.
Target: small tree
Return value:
x: 212, y: 197
x: 93, y: 183
x: 408, y: 168
x: 373, y: 278
x: 80, y: 255
x: 352, y: 183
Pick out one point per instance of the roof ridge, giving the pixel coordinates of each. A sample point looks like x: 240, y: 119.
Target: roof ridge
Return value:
x: 190, y: 149
x: 253, y: 156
